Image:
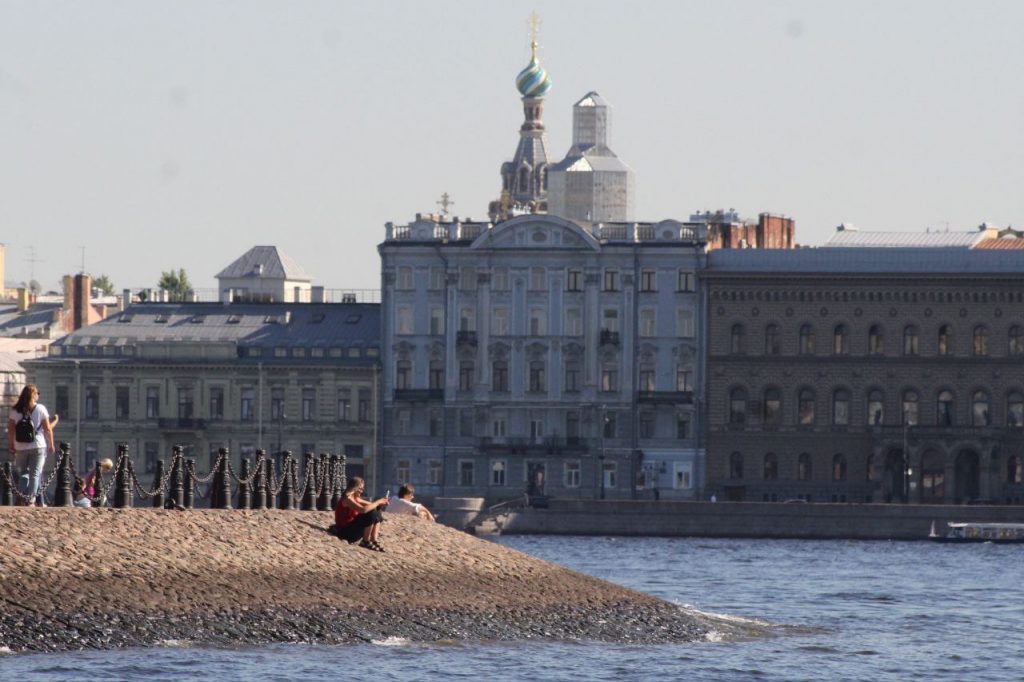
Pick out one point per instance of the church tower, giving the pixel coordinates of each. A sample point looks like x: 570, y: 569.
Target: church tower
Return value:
x: 524, y: 179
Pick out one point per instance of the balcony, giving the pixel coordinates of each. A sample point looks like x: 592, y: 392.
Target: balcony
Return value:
x: 419, y: 394
x: 182, y: 423
x: 465, y: 338
x: 550, y: 445
x: 609, y: 338
x: 665, y: 397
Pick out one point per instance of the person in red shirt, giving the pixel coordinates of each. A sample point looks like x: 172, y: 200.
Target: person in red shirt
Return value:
x: 359, y: 519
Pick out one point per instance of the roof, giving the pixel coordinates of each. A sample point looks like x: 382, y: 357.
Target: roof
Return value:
x: 591, y: 99
x: 245, y: 325
x: 587, y: 162
x: 1001, y: 244
x: 267, y: 262
x: 36, y: 318
x: 858, y: 238
x: 878, y: 260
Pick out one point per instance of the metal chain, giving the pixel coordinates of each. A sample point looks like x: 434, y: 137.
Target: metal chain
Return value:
x: 208, y: 477
x: 247, y: 481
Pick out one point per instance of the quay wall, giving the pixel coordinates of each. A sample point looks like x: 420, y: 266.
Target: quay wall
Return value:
x: 748, y: 519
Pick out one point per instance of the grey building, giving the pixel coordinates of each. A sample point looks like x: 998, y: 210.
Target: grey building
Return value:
x: 541, y: 354
x: 264, y: 274
x: 591, y: 183
x: 881, y: 374
x: 299, y: 377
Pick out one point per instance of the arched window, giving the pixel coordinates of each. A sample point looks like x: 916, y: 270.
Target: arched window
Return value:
x: 910, y: 336
x: 876, y: 340
x: 839, y: 468
x: 772, y: 342
x: 738, y: 406
x: 805, y: 406
x: 981, y: 340
x: 1015, y: 409
x: 803, y: 467
x: 735, y: 466
x: 980, y: 414
x: 772, y: 407
x: 771, y: 467
x: 1013, y: 470
x: 806, y: 340
x: 1016, y: 340
x: 841, y: 407
x: 876, y: 407
x: 840, y: 340
x: 933, y: 477
x: 910, y: 405
x: 944, y: 408
x: 945, y: 346
x: 737, y: 339
x: 524, y: 180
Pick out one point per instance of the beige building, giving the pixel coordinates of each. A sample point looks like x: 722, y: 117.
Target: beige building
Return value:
x: 300, y: 377
x: 866, y: 375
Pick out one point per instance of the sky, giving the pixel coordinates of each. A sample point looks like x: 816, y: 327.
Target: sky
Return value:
x: 138, y: 136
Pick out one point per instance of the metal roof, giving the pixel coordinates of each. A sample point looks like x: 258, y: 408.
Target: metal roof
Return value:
x: 1000, y: 244
x: 883, y: 260
x: 265, y: 262
x: 860, y: 239
x: 39, y: 316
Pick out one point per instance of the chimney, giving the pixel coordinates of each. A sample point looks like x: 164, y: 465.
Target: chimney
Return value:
x: 69, y: 292
x: 316, y: 294
x: 23, y: 299
x: 82, y: 292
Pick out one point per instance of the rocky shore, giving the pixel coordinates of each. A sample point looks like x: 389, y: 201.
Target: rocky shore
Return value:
x: 107, y: 578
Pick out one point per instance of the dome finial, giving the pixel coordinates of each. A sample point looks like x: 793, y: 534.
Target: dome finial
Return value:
x: 533, y: 81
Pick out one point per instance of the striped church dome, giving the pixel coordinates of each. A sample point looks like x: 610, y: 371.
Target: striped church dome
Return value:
x: 533, y: 81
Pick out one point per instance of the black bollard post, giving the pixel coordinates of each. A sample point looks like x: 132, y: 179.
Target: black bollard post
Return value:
x: 224, y: 496
x: 177, y: 490
x: 6, y: 487
x: 333, y: 483
x: 188, y: 499
x: 259, y: 493
x: 268, y: 480
x: 342, y: 474
x: 323, y: 500
x: 158, y: 485
x: 62, y: 496
x: 122, y: 481
x: 309, y: 496
x: 100, y: 499
x: 295, y: 483
x: 286, y: 500
x: 244, y: 497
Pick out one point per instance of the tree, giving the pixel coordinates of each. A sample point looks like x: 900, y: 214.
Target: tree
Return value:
x: 176, y: 284
x: 104, y: 284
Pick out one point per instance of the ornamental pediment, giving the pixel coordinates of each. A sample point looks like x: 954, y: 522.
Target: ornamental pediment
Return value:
x: 536, y: 232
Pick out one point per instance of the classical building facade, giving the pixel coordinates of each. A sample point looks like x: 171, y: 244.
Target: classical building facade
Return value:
x: 543, y: 355
x: 299, y: 377
x: 866, y: 375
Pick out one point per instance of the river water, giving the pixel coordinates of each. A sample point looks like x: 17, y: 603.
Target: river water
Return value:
x: 839, y: 610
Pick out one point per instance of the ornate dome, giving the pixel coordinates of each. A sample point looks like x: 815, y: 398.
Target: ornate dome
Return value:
x: 533, y: 81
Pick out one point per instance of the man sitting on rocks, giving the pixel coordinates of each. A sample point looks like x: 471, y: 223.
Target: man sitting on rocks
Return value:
x: 403, y: 504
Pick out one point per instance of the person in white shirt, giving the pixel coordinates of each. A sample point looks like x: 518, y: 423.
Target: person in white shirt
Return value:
x: 403, y: 504
x: 31, y: 442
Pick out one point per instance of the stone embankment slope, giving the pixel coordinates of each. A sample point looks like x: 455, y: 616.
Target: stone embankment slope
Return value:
x: 103, y: 578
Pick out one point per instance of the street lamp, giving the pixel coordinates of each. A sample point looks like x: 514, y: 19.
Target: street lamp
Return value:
x: 907, y: 471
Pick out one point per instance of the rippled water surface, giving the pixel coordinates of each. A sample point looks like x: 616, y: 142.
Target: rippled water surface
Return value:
x: 839, y: 611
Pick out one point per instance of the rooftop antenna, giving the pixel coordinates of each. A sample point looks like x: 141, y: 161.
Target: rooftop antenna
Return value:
x: 32, y: 260
x: 445, y: 202
x: 82, y: 249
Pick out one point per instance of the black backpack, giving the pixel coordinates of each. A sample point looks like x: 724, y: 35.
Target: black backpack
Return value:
x: 25, y: 430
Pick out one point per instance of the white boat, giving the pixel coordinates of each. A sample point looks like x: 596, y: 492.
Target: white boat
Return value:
x: 979, y: 532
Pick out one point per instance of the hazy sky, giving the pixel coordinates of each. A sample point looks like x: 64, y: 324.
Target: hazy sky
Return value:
x: 175, y: 134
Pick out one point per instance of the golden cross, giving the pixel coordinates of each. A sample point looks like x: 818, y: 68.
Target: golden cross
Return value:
x: 534, y: 23
x: 445, y: 202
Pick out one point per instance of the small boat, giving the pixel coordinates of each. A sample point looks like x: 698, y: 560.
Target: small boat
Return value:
x: 980, y: 532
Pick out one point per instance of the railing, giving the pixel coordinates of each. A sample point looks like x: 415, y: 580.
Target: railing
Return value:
x: 465, y: 338
x: 419, y: 394
x: 181, y: 423
x: 666, y: 397
x: 609, y: 338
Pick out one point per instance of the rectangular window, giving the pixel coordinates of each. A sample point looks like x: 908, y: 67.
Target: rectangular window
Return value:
x: 467, y: 320
x: 61, y: 402
x: 435, y: 375
x: 436, y: 321
x: 365, y: 405
x: 574, y: 279
x: 498, y: 468
x: 572, y: 377
x: 499, y: 280
x: 152, y: 402
x: 573, y: 322
x: 572, y: 424
x: 247, y: 405
x: 537, y: 382
x: 536, y: 431
x: 216, y: 403
x: 538, y: 279
x: 647, y: 425
x: 308, y: 404
x: 682, y: 427
x: 404, y: 278
x: 647, y: 378
x: 466, y: 423
x: 683, y: 379
x: 499, y: 321
x: 404, y: 422
x: 403, y: 472
x: 466, y: 472
x: 685, y: 281
x: 436, y: 277
x: 436, y: 423
x: 122, y: 402
x: 498, y: 427
x: 537, y: 326
x: 683, y: 478
x: 277, y: 403
x: 648, y: 280
x: 684, y: 323
x: 467, y: 278
x: 610, y: 429
x: 92, y: 402
x: 344, y: 405
x: 466, y: 375
x: 572, y: 474
x: 186, y: 402
x: 152, y: 452
x: 610, y: 471
x: 403, y: 323
x: 499, y: 377
x: 610, y: 320
x: 611, y: 279
x: 403, y: 374
x: 609, y: 379
x: 434, y: 471
x: 648, y: 323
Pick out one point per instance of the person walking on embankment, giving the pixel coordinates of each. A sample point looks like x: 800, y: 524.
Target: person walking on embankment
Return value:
x: 30, y: 440
x: 357, y: 518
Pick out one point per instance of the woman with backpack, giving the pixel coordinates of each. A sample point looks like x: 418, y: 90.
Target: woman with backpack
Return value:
x: 30, y: 440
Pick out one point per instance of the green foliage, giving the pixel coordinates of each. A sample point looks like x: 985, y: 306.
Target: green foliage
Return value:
x: 104, y: 284
x: 176, y: 284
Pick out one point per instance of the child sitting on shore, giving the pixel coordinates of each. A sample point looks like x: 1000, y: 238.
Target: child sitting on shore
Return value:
x: 357, y: 518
